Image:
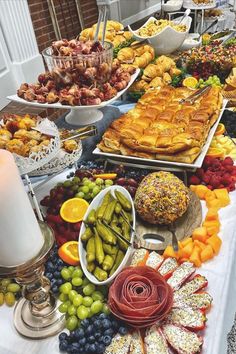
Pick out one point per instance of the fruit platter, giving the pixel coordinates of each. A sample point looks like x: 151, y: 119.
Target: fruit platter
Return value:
x: 134, y: 245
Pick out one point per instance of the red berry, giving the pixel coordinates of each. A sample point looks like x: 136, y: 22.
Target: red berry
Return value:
x: 229, y: 168
x: 215, y: 181
x: 200, y: 173
x: 209, y: 187
x: 194, y: 180
x: 228, y: 161
x: 231, y: 187
x: 226, y: 179
x: 206, y: 178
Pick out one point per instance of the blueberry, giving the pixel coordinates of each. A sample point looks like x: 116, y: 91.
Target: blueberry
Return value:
x: 85, y: 323
x: 97, y: 323
x: 75, y: 345
x: 86, y: 347
x: 100, y: 340
x: 82, y: 341
x: 57, y: 274
x: 79, y: 333
x: 53, y: 282
x: 63, y: 345
x: 108, y: 332
x: 72, y: 335
x: 100, y: 348
x: 63, y: 336
x: 60, y: 282
x: 49, y: 276
x: 60, y: 262
x: 89, y: 330
x: 50, y: 267
x: 114, y: 324
x: 92, y: 348
x: 55, y: 289
x: 102, y: 316
x: 106, y: 324
x: 123, y: 330
x: 97, y: 335
x: 91, y: 339
x: 107, y: 340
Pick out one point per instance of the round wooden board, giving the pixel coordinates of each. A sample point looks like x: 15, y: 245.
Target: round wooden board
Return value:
x: 184, y: 227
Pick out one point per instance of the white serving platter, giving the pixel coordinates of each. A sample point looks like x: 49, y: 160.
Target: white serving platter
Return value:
x: 82, y: 252
x: 78, y: 115
x: 196, y: 164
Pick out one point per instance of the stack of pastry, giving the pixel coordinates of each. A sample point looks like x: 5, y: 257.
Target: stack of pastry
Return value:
x: 157, y: 74
x: 114, y: 33
x: 161, y: 127
x: 138, y: 56
x: 229, y: 91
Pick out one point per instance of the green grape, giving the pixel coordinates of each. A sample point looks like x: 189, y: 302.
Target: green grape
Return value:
x: 105, y: 309
x: 80, y: 195
x: 72, y: 323
x: 82, y: 312
x: 65, y: 273
x: 86, y: 183
x: 86, y: 281
x: 99, y: 181
x: 96, y: 307
x: 89, y: 289
x: 78, y: 300
x: 85, y: 179
x: 9, y: 299
x: 108, y: 182
x: 76, y: 180
x: 67, y: 184
x: 63, y: 297
x: 72, y: 295
x: 5, y: 282
x: 71, y: 310
x: 13, y: 287
x: 77, y: 273
x: 97, y: 295
x: 1, y: 299
x: 71, y: 269
x: 91, y: 185
x: 63, y: 307
x: 87, y: 301
x: 77, y: 281
x: 90, y: 314
x: 74, y: 188
x: 201, y: 81
x: 85, y: 190
x: 87, y: 196
x: 65, y: 288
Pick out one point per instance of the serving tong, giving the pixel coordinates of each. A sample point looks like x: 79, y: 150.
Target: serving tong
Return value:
x: 102, y: 18
x: 192, y: 98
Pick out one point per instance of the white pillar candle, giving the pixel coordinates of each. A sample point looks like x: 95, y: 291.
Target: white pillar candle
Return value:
x: 20, y: 235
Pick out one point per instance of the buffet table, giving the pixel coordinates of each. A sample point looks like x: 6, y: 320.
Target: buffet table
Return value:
x: 220, y: 273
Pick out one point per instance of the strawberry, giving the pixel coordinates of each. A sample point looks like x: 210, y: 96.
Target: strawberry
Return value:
x: 228, y: 161
x: 194, y: 180
x: 206, y: 178
x: 221, y: 186
x: 60, y: 240
x: 215, y: 181
x: 226, y: 179
x: 209, y: 187
x: 231, y: 187
x: 207, y: 162
x: 229, y: 168
x: 200, y: 173
x: 77, y: 226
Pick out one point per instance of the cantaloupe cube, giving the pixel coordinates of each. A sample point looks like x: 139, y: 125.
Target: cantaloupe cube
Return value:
x: 169, y: 252
x: 186, y: 241
x: 200, y: 244
x: 187, y: 250
x: 193, y: 187
x: 200, y: 234
x: 214, y: 203
x: 210, y: 195
x: 213, y: 227
x: 215, y: 242
x: 212, y: 214
x: 201, y: 190
x: 223, y: 195
x: 207, y: 253
x: 211, y: 223
x: 195, y: 257
x: 180, y: 253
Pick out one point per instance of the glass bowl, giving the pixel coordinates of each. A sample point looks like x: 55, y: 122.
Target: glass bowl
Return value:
x: 87, y: 68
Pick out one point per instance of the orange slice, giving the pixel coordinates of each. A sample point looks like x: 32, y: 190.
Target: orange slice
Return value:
x: 215, y: 152
x: 106, y: 176
x: 190, y: 82
x: 73, y: 210
x: 69, y: 253
x: 220, y: 129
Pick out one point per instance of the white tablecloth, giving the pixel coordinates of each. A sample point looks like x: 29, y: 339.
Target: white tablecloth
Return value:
x: 220, y: 273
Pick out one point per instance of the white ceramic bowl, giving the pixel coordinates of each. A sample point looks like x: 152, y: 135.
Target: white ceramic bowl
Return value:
x: 82, y: 252
x: 189, y: 42
x: 168, y: 40
x: 172, y: 5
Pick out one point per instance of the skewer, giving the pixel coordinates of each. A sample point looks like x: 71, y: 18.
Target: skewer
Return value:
x: 31, y: 192
x: 102, y: 18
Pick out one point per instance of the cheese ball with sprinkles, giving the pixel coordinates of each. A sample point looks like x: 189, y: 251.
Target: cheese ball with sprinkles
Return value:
x: 161, y: 198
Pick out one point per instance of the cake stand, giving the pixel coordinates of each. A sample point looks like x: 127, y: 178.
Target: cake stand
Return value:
x: 79, y: 115
x: 190, y: 5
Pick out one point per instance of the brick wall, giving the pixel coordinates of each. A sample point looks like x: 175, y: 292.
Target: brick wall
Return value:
x: 67, y: 19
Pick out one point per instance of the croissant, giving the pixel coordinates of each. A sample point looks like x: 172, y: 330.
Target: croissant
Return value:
x: 118, y: 39
x: 167, y: 78
x: 140, y: 85
x: 156, y: 82
x: 143, y: 61
x: 150, y: 72
x: 165, y: 62
x: 126, y: 55
x: 174, y: 71
x: 128, y: 35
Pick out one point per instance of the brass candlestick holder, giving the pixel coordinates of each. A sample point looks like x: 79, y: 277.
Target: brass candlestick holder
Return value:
x: 36, y: 315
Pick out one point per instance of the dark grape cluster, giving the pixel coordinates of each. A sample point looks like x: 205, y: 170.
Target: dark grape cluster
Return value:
x: 53, y: 268
x: 229, y: 119
x: 91, y: 164
x: 93, y: 335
